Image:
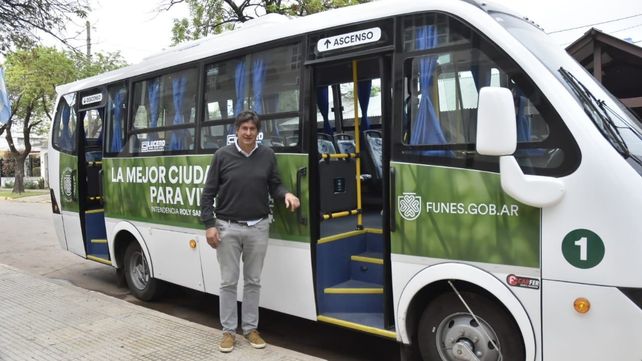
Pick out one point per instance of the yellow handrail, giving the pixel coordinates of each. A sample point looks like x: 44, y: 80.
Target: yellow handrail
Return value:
x: 340, y: 214
x: 357, y: 138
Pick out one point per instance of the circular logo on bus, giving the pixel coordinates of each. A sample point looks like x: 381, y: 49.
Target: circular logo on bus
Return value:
x: 67, y: 184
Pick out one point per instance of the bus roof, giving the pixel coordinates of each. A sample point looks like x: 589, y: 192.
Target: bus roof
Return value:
x: 264, y: 29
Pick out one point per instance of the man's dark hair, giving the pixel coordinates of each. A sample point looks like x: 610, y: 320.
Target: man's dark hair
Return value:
x: 247, y: 116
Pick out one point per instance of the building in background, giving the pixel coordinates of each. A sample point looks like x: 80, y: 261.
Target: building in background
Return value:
x: 35, y: 164
x: 616, y: 63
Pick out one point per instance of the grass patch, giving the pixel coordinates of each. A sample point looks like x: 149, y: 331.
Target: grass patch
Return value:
x: 7, y: 194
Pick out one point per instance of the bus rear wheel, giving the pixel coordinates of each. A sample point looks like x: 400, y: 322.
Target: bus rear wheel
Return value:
x: 138, y: 276
x: 448, y: 332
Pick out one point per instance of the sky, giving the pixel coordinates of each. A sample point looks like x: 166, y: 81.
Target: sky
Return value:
x: 137, y: 29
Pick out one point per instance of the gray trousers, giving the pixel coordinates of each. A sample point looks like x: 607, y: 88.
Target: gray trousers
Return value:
x: 251, y: 243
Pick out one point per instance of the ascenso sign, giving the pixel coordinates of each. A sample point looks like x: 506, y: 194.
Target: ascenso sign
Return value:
x: 350, y: 39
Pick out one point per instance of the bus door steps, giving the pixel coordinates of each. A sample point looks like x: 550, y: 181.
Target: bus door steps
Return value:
x: 102, y: 258
x: 95, y: 232
x: 354, y: 296
x: 362, y: 321
x: 367, y: 266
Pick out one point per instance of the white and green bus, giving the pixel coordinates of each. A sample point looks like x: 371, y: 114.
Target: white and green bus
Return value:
x: 467, y: 188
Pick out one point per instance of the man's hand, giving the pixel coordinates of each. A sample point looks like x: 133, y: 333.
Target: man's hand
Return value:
x: 213, y: 238
x: 291, y: 202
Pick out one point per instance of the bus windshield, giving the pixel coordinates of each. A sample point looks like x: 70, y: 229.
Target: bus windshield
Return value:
x: 617, y: 124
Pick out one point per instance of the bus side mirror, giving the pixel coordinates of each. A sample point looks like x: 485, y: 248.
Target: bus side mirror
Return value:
x: 496, y: 125
x: 497, y: 136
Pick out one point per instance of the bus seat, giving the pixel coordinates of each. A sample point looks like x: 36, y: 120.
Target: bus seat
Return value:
x: 374, y: 152
x: 337, y: 185
x: 325, y: 146
x: 345, y: 143
x: 346, y: 146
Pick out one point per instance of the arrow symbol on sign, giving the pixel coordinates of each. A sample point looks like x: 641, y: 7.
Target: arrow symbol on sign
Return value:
x: 327, y: 43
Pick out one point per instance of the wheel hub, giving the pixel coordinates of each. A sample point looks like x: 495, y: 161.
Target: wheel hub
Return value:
x: 461, y: 338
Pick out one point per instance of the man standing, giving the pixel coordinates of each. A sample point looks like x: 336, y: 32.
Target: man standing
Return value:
x: 240, y: 178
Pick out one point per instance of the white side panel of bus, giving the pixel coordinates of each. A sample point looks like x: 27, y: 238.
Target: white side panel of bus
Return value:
x: 73, y: 233
x: 174, y: 260
x: 54, y: 184
x: 286, y: 281
x: 611, y: 330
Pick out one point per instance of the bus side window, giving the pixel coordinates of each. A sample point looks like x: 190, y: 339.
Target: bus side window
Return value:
x: 266, y: 82
x: 116, y: 119
x: 446, y: 66
x: 64, y: 131
x: 165, y: 111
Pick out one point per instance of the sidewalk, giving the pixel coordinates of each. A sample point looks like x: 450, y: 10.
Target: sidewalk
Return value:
x: 41, y: 319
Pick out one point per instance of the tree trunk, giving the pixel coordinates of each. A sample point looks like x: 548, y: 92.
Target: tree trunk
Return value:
x: 19, y: 183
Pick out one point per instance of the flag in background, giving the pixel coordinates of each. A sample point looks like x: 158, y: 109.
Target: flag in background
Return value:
x: 5, y: 106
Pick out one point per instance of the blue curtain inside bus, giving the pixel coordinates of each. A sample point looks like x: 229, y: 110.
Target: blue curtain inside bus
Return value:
x: 426, y: 128
x: 258, y: 80
x: 179, y: 85
x: 65, y: 138
x: 239, y: 81
x: 117, y: 109
x: 363, y: 88
x: 523, y: 125
x: 153, y: 93
x: 322, y: 104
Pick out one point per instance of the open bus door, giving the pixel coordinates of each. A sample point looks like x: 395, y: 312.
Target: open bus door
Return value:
x: 80, y: 175
x: 353, y: 286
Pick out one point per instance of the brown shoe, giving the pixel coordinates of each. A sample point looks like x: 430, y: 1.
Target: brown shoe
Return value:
x: 255, y: 339
x: 227, y: 344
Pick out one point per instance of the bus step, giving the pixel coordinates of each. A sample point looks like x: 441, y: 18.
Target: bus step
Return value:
x: 367, y: 267
x: 352, y: 296
x: 361, y: 321
x: 102, y: 258
x: 355, y: 287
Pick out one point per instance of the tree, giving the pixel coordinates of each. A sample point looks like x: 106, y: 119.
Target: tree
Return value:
x: 214, y: 16
x: 21, y: 19
x: 32, y: 76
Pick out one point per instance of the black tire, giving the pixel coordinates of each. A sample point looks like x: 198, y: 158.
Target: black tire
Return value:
x: 137, y: 274
x: 446, y: 323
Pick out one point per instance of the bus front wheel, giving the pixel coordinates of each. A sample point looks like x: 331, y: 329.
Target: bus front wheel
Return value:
x: 448, y: 332
x: 138, y: 276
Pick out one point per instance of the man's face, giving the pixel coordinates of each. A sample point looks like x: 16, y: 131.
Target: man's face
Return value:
x: 246, y: 134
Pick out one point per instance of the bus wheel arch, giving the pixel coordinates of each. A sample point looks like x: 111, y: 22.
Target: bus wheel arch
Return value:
x: 135, y: 266
x: 432, y: 282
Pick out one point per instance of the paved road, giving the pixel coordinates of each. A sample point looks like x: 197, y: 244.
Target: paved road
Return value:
x: 28, y: 242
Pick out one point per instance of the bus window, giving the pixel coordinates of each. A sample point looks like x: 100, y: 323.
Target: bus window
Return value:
x: 116, y: 118
x: 267, y: 82
x: 442, y: 79
x: 64, y: 131
x: 167, y: 102
x: 93, y: 125
x: 369, y: 94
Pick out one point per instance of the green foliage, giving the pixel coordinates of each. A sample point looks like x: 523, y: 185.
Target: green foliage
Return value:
x: 9, y: 184
x: 31, y: 79
x: 20, y: 20
x: 98, y: 63
x: 214, y: 16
